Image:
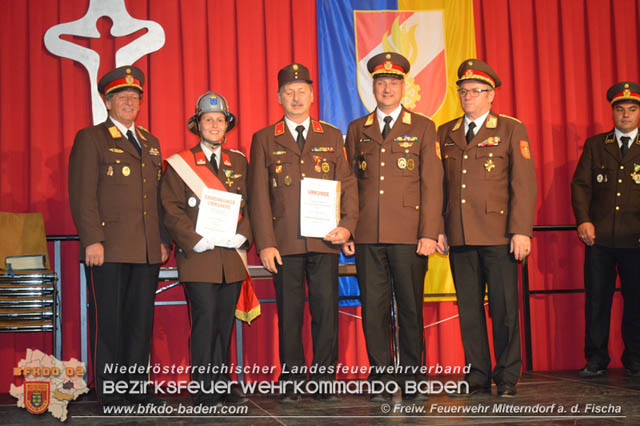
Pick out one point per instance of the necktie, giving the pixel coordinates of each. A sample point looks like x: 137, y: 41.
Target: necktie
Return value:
x: 300, y: 138
x: 470, y: 133
x: 387, y: 126
x: 133, y: 141
x: 214, y: 162
x: 625, y: 145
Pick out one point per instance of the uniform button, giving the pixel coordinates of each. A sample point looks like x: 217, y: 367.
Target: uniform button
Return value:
x: 464, y: 201
x: 382, y: 164
x: 142, y: 164
x: 381, y: 177
x: 491, y: 154
x: 273, y: 218
x: 621, y: 167
x: 466, y: 156
x: 417, y: 207
x: 464, y: 186
x: 501, y: 211
x: 145, y: 196
x: 383, y: 150
x: 103, y: 224
x: 117, y: 161
x: 619, y: 180
x: 303, y: 175
x: 406, y: 151
x: 144, y: 180
x: 464, y: 171
x: 301, y: 161
x: 145, y: 213
x: 618, y: 194
x: 617, y: 207
x: 381, y: 191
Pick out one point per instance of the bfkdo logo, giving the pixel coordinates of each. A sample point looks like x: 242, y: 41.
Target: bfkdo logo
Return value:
x: 36, y: 396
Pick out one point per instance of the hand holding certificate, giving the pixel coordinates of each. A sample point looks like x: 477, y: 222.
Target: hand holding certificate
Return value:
x: 319, y: 207
x: 218, y: 216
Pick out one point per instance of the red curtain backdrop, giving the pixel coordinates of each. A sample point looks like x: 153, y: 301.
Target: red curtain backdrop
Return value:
x: 556, y: 60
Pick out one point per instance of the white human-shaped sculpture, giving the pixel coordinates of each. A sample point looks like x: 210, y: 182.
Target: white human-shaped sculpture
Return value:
x: 123, y: 25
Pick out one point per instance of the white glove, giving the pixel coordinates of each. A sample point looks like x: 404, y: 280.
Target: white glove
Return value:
x: 203, y: 245
x: 237, y: 241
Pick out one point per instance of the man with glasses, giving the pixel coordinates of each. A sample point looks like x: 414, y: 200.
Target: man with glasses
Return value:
x: 606, y: 201
x: 114, y: 171
x: 490, y: 195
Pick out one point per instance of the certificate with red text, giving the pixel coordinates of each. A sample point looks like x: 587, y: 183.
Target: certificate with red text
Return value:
x: 319, y: 206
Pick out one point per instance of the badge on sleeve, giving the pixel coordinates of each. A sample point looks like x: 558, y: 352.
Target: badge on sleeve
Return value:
x: 192, y: 201
x: 524, y: 149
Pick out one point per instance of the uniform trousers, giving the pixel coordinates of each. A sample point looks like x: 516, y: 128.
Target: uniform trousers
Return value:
x: 212, y: 311
x: 600, y: 282
x: 473, y: 267
x: 121, y: 305
x: 381, y: 269
x: 321, y: 273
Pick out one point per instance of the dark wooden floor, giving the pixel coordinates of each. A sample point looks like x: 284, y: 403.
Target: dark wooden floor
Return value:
x: 595, y: 402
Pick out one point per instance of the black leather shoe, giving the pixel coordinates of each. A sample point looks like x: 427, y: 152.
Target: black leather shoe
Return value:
x: 235, y: 396
x: 592, y: 370
x: 507, y: 391
x: 378, y: 397
x: 633, y: 371
x: 326, y: 397
x: 474, y: 390
x: 290, y: 398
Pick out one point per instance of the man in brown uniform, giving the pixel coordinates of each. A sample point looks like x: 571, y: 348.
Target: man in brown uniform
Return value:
x: 490, y: 196
x: 396, y: 158
x: 281, y: 156
x: 212, y: 275
x: 605, y: 192
x: 114, y: 170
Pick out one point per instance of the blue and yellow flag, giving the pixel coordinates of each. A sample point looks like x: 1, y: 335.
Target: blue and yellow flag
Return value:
x: 435, y: 35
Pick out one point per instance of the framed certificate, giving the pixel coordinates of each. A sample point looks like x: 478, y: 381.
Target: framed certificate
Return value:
x: 319, y: 206
x: 218, y: 216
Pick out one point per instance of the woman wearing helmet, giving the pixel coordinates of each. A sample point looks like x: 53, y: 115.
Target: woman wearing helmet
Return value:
x: 212, y: 275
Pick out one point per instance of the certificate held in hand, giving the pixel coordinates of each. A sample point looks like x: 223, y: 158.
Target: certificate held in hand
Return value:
x: 319, y: 206
x: 218, y: 216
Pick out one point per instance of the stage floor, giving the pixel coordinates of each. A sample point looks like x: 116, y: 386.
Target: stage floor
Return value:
x: 614, y: 399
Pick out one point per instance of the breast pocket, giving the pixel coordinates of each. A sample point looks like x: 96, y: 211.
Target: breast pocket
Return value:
x: 281, y: 170
x: 406, y: 159
x: 494, y: 161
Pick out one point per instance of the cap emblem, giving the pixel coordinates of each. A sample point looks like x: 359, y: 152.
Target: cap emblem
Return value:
x: 213, y: 100
x: 129, y: 79
x: 626, y: 85
x: 128, y: 71
x: 388, y: 65
x: 294, y: 67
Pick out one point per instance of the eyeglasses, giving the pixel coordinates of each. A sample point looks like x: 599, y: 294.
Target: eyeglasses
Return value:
x: 473, y: 92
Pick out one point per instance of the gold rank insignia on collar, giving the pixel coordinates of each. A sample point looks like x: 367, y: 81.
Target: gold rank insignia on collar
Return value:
x: 369, y: 121
x: 406, y: 118
x: 610, y: 138
x: 317, y: 127
x: 279, y: 129
x: 115, y: 133
x: 457, y: 125
x: 492, y: 121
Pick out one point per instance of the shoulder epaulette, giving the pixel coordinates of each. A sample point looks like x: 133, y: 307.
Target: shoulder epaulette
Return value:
x: 508, y: 116
x: 406, y: 118
x: 328, y: 124
x: 237, y: 152
x: 457, y: 125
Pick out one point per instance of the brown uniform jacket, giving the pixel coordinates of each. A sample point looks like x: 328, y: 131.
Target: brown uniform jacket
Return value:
x: 275, y: 172
x: 490, y: 184
x: 113, y: 194
x: 399, y: 179
x: 605, y: 190
x: 181, y: 207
